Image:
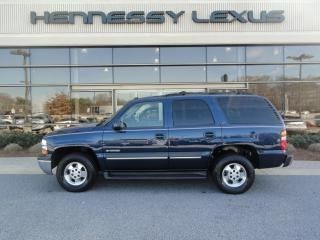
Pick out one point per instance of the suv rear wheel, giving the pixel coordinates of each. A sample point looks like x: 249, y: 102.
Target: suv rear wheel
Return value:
x: 76, y: 172
x: 234, y: 174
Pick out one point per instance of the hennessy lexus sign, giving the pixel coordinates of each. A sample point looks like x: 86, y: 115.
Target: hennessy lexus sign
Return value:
x: 157, y: 17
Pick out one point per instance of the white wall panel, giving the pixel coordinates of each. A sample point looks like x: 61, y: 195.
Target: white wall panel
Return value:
x: 301, y: 23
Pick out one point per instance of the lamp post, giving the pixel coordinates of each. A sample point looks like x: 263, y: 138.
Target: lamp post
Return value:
x: 300, y: 59
x: 25, y: 55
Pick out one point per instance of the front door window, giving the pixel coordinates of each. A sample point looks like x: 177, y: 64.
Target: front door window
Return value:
x: 144, y: 115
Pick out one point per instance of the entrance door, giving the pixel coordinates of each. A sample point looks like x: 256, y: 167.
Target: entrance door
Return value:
x: 91, y: 106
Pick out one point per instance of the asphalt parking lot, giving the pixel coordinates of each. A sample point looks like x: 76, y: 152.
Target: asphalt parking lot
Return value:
x: 282, y: 204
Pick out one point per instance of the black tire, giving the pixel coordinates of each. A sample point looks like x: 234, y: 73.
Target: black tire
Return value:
x: 222, y: 162
x: 89, y: 167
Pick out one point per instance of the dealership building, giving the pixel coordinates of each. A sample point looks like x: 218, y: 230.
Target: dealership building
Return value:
x: 82, y: 60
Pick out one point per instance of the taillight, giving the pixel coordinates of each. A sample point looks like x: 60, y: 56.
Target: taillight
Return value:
x: 283, y: 140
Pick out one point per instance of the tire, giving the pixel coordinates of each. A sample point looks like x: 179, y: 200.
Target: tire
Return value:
x: 76, y: 172
x: 234, y: 174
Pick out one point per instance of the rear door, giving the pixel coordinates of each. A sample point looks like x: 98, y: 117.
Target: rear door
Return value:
x: 192, y: 133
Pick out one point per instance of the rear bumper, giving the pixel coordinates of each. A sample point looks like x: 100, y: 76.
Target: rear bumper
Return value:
x: 273, y: 159
x: 45, y: 164
x: 287, y: 162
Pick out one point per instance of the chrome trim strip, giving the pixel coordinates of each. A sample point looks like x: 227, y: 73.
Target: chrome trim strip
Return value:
x: 194, y: 157
x: 251, y: 126
x: 75, y: 133
x: 113, y: 150
x: 136, y: 158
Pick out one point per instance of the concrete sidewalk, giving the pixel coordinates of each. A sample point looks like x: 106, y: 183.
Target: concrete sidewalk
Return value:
x: 29, y: 165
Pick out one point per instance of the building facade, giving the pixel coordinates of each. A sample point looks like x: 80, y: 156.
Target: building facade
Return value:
x: 71, y: 62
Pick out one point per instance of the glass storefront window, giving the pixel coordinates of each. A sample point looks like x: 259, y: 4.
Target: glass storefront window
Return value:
x: 15, y: 76
x: 50, y: 76
x: 91, y: 75
x: 136, y: 55
x: 91, y: 56
x: 225, y: 54
x: 302, y: 72
x: 182, y: 55
x: 265, y: 54
x: 123, y: 97
x: 90, y: 107
x: 15, y: 107
x: 133, y: 75
x: 190, y: 74
x: 49, y: 56
x: 226, y: 74
x: 302, y: 54
x: 265, y: 73
x: 52, y: 101
x: 14, y: 57
x: 272, y: 91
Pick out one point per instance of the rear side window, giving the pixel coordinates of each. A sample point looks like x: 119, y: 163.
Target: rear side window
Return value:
x: 191, y: 113
x: 248, y: 110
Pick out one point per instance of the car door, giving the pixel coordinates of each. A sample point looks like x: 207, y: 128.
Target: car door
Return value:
x: 192, y: 134
x: 142, y: 143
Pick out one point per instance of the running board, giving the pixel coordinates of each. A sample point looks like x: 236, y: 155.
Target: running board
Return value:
x: 142, y: 175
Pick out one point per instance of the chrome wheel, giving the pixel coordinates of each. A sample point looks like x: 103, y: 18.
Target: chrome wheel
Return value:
x: 75, y: 173
x: 234, y: 175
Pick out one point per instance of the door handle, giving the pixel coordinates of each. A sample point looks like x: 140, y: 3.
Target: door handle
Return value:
x: 160, y: 136
x: 209, y: 135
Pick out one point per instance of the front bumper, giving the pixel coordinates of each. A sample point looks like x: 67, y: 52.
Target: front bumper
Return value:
x: 45, y: 164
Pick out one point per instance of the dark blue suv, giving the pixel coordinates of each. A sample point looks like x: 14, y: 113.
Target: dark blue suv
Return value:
x: 175, y: 136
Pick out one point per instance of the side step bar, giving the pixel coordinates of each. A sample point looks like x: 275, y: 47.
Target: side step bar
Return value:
x: 143, y: 175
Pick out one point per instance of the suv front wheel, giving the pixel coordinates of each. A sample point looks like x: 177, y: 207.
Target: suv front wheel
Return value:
x: 76, y: 172
x: 234, y: 174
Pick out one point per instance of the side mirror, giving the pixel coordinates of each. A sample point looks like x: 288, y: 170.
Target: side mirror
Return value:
x: 119, y: 126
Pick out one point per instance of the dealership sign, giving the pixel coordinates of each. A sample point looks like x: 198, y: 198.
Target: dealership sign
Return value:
x: 157, y: 17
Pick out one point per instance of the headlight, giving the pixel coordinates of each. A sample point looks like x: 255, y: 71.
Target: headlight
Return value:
x: 44, y: 147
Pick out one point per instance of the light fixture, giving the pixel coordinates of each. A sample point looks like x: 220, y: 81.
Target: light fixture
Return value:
x: 228, y: 49
x: 84, y: 50
x: 214, y: 60
x: 106, y: 69
x: 156, y: 60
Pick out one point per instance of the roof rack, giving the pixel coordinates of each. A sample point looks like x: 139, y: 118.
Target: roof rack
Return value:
x: 182, y: 93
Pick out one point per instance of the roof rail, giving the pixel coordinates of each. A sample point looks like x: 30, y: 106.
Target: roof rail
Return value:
x: 237, y: 92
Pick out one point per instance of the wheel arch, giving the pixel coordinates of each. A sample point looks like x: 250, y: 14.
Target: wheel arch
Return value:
x: 60, y: 152
x: 245, y: 150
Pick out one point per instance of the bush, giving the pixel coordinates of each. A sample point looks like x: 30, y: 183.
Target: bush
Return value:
x: 303, y: 140
x: 25, y: 140
x: 314, y: 147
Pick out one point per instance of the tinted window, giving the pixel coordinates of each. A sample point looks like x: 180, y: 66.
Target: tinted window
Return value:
x: 189, y: 113
x: 135, y: 55
x: 49, y: 56
x: 91, y: 75
x: 302, y: 53
x: 264, y: 54
x: 181, y: 55
x: 183, y: 74
x: 226, y: 74
x: 225, y: 54
x: 144, y: 115
x: 50, y: 76
x: 248, y: 110
x: 136, y: 75
x: 91, y: 56
x: 14, y: 57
